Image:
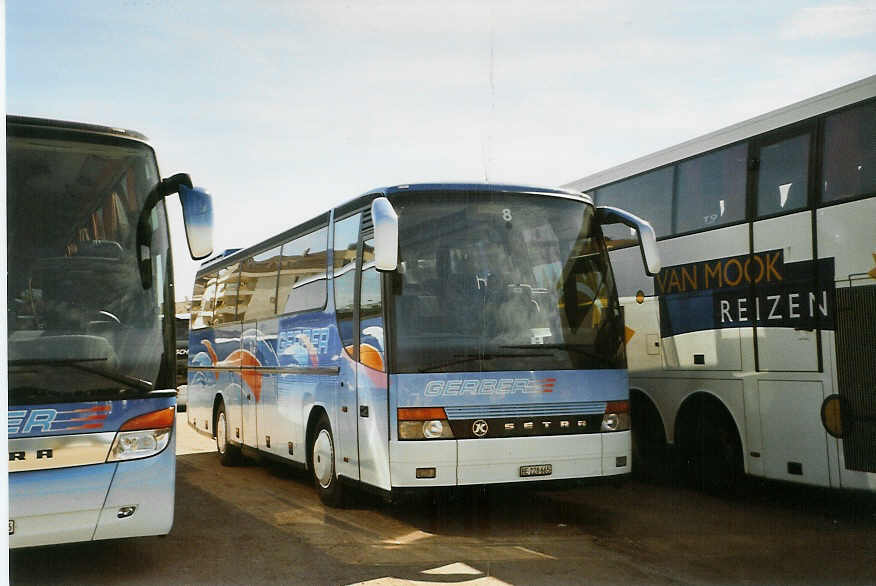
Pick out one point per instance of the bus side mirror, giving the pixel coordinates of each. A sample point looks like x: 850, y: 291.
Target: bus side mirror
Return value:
x: 197, y: 216
x: 197, y: 206
x: 385, y: 234
x: 647, y: 237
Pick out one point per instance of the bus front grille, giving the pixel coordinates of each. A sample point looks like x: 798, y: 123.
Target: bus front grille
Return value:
x: 534, y: 410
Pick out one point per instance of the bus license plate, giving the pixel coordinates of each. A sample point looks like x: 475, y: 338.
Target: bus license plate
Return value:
x: 537, y: 470
x: 11, y: 526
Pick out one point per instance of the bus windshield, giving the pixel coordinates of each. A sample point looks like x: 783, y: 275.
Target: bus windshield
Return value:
x: 502, y: 281
x: 81, y: 325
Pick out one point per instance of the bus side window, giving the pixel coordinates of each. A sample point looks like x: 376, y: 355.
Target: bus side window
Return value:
x: 782, y: 176
x: 711, y: 189
x: 346, y: 240
x: 849, y: 167
x: 302, y: 273
x: 225, y: 310
x: 649, y: 196
x: 371, y: 346
x: 203, y: 297
x: 258, y: 286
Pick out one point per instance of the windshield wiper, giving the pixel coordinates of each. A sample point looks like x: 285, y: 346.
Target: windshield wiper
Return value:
x: 461, y: 358
x: 77, y: 363
x: 584, y: 349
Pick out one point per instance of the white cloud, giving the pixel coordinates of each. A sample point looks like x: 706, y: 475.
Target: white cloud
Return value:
x: 834, y: 21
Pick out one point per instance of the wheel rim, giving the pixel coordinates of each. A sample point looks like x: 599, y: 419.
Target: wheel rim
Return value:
x: 323, y: 459
x: 220, y: 432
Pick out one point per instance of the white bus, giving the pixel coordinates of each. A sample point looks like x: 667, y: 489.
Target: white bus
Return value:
x: 753, y: 350
x: 473, y: 338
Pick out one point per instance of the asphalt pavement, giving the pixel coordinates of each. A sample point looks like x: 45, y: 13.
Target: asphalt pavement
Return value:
x: 263, y: 524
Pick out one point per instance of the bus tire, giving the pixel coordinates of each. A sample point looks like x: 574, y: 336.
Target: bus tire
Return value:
x: 712, y: 452
x: 648, y: 439
x: 322, y: 464
x: 229, y: 455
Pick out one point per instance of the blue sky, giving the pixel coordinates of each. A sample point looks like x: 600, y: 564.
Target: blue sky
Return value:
x: 283, y: 109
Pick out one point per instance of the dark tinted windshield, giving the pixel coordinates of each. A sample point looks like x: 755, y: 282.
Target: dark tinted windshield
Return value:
x: 499, y: 281
x: 81, y: 326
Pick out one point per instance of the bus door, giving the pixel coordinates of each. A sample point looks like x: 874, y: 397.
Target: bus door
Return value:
x: 786, y: 297
x: 253, y: 387
x: 782, y: 236
x: 371, y: 378
x: 346, y: 410
x: 228, y: 350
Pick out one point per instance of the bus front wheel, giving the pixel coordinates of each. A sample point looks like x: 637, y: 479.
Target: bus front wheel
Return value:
x: 322, y: 464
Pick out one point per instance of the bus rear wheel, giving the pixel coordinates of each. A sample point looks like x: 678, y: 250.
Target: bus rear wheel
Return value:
x: 322, y: 464
x: 229, y: 455
x: 711, y: 452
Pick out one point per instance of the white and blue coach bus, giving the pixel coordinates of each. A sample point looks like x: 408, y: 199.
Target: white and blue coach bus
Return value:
x: 420, y: 336
x: 755, y: 349
x: 90, y: 332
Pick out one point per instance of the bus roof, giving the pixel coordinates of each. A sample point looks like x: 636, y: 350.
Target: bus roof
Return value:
x: 361, y: 201
x: 826, y: 102
x: 76, y: 126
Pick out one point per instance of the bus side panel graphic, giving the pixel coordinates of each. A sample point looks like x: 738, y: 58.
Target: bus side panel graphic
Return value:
x: 746, y: 290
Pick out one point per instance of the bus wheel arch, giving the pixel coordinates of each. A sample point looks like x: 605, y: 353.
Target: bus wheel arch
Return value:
x: 648, y: 436
x: 708, y: 444
x: 316, y: 412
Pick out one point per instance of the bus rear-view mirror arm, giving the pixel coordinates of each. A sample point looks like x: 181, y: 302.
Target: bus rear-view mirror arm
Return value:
x: 646, y: 235
x: 197, y: 206
x: 385, y: 234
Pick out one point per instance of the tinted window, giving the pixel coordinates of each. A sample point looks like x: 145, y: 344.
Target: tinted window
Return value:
x: 850, y: 154
x: 369, y: 299
x: 182, y: 329
x: 81, y: 326
x: 203, y: 298
x: 302, y: 273
x: 307, y: 295
x: 711, y: 189
x: 346, y: 238
x: 782, y: 176
x: 501, y: 281
x: 649, y: 196
x: 371, y: 351
x: 225, y: 309
x: 258, y: 286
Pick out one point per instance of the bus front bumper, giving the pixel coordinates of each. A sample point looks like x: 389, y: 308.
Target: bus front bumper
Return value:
x: 490, y: 461
x: 98, y: 501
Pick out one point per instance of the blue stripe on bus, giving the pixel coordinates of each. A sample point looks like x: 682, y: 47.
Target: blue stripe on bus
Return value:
x: 84, y: 417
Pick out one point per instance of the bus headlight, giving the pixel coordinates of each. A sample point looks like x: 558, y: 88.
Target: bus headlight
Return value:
x: 423, y: 423
x: 143, y: 436
x: 132, y: 445
x: 617, y: 416
x: 435, y: 428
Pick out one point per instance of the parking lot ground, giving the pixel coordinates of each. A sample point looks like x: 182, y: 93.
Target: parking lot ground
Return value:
x: 188, y: 441
x: 263, y: 524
